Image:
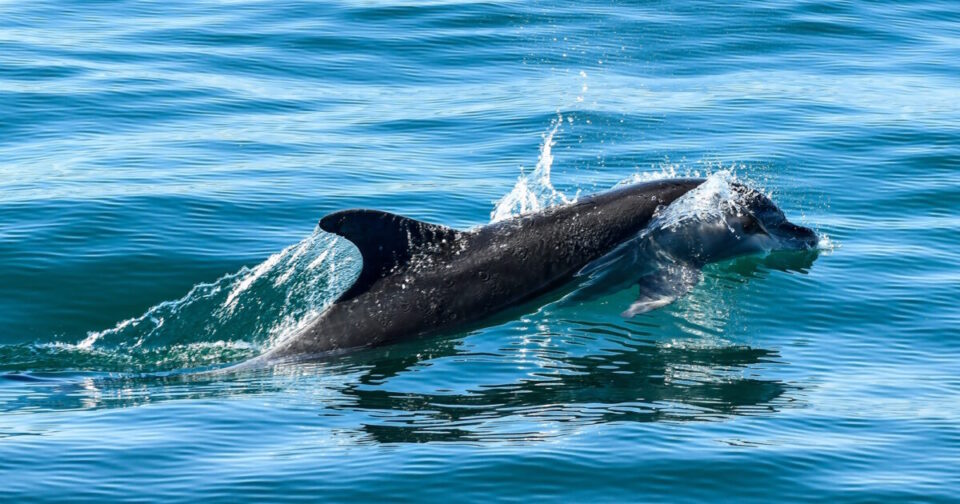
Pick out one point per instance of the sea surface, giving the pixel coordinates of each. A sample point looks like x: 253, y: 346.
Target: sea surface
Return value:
x: 163, y: 166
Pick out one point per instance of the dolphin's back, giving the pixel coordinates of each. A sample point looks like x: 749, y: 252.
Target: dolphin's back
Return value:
x: 420, y: 278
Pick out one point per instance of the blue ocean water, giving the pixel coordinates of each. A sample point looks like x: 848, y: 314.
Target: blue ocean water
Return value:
x: 163, y: 166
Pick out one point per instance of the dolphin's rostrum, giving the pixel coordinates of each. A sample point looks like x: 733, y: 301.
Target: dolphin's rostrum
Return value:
x: 419, y: 279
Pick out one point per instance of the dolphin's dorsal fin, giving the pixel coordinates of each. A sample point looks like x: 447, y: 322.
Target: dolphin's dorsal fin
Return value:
x: 386, y: 241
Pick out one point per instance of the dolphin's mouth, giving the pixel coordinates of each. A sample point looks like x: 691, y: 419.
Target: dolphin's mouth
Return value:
x: 794, y: 236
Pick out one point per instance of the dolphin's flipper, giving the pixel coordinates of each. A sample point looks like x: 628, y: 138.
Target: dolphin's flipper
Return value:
x: 615, y: 271
x: 663, y: 287
x: 386, y: 241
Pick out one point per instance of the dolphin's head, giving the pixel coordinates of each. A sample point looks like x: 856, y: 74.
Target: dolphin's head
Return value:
x: 746, y: 223
x: 760, y: 223
x: 754, y: 224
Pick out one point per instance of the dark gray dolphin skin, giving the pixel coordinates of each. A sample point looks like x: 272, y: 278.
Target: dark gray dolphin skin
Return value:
x: 420, y: 279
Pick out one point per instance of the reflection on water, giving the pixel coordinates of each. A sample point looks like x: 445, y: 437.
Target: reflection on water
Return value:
x: 644, y: 381
x: 644, y: 384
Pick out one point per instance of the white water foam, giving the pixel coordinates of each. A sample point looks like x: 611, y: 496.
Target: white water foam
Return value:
x: 711, y: 201
x: 257, y: 306
x: 534, y: 192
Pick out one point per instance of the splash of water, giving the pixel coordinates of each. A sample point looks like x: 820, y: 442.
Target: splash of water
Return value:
x: 534, y: 192
x: 711, y: 201
x: 235, y: 316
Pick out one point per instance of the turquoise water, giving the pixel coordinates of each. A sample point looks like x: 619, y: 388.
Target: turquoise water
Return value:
x: 164, y: 165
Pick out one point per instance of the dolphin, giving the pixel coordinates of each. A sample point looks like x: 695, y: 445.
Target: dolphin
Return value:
x: 419, y: 279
